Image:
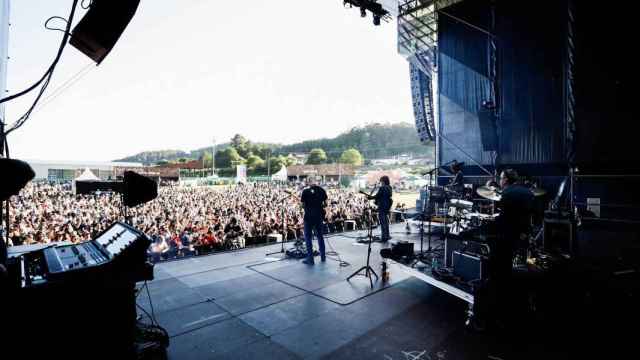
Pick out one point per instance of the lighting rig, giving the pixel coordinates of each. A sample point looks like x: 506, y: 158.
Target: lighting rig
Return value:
x: 376, y: 9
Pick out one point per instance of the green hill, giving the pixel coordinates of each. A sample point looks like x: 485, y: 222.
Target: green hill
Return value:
x: 373, y: 141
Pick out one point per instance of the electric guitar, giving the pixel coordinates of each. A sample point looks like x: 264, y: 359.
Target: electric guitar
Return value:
x: 369, y: 196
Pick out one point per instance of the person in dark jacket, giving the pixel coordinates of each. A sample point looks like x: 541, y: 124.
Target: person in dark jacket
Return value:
x: 515, y: 206
x: 314, y: 199
x: 383, y: 199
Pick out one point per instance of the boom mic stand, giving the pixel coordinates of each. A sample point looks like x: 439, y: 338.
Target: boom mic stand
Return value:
x: 367, y: 268
x: 284, y: 226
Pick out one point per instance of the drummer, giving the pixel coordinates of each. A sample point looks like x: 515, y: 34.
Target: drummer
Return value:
x: 513, y: 223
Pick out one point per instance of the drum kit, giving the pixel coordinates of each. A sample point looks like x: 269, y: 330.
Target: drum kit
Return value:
x: 465, y: 213
x: 494, y: 194
x: 460, y: 213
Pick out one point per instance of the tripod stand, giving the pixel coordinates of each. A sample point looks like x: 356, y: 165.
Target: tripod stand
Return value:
x: 368, y: 270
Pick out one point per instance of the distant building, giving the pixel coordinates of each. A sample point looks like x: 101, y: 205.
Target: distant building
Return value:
x: 171, y: 171
x: 69, y: 170
x: 398, y: 160
x: 300, y: 158
x: 329, y: 172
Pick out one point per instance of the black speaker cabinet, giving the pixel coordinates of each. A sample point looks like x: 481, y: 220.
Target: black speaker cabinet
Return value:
x: 101, y: 27
x: 469, y: 266
x: 559, y: 235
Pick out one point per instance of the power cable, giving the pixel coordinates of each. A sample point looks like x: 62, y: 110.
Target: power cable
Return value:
x: 333, y: 252
x: 46, y: 78
x: 64, y: 86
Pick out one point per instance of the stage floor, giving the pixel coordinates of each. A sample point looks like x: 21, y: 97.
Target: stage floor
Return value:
x: 246, y: 305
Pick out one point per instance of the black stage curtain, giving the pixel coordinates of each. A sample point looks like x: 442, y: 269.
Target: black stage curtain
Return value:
x: 463, y: 81
x: 606, y: 76
x: 530, y: 42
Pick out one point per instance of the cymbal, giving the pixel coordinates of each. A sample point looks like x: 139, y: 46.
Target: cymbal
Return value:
x: 538, y: 191
x: 489, y: 192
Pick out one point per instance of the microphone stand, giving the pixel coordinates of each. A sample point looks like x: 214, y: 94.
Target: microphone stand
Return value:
x: 284, y: 226
x: 426, y: 206
x: 367, y: 268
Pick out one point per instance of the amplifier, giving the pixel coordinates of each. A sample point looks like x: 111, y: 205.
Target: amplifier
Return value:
x: 469, y: 266
x: 274, y: 238
x: 349, y: 225
x: 401, y: 251
x: 402, y: 248
x: 452, y: 244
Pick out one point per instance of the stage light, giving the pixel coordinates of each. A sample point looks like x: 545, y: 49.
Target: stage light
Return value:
x: 488, y: 104
x: 376, y: 20
x: 15, y: 176
x: 363, y: 12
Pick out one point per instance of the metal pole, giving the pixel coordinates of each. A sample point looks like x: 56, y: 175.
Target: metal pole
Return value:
x: 213, y: 158
x: 269, y: 164
x: 2, y: 154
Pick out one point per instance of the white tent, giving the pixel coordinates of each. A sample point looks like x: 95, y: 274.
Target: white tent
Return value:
x: 87, y: 175
x: 280, y: 175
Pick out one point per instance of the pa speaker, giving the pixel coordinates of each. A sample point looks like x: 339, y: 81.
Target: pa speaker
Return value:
x: 15, y: 174
x: 488, y: 130
x: 101, y: 27
x: 138, y: 189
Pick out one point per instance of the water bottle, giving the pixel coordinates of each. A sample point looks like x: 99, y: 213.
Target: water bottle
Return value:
x: 385, y: 272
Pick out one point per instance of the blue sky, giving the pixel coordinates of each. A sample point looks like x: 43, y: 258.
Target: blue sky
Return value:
x: 185, y: 72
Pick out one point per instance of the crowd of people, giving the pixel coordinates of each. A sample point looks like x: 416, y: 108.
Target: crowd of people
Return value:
x: 182, y: 220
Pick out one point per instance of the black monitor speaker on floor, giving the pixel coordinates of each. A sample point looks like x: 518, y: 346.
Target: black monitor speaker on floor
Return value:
x: 101, y: 27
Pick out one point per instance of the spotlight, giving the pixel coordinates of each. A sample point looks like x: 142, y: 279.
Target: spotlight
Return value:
x: 363, y: 12
x: 376, y: 20
x: 15, y: 175
x: 488, y: 104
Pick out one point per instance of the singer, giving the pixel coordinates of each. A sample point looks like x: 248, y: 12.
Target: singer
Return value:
x: 384, y: 201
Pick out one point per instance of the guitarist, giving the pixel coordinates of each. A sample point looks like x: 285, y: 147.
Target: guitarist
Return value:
x: 313, y: 200
x: 383, y: 201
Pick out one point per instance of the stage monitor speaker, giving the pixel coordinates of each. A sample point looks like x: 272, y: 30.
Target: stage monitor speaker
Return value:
x: 14, y: 175
x: 488, y: 130
x: 101, y: 27
x: 138, y: 189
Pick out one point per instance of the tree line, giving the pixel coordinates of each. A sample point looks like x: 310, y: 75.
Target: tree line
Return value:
x: 352, y: 147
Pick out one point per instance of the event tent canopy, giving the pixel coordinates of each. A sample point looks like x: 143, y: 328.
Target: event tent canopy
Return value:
x: 87, y: 175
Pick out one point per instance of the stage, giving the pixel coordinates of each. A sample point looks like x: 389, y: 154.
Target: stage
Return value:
x: 245, y: 305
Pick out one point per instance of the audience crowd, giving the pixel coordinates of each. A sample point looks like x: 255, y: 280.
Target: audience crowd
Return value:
x: 182, y: 220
